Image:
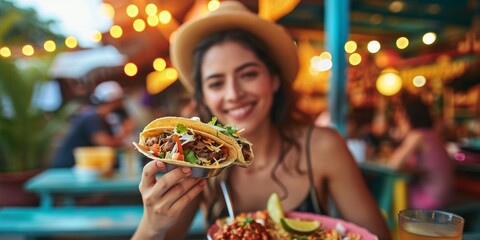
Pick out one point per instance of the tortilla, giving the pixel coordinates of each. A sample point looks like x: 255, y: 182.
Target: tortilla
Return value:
x: 236, y: 142
x: 155, y: 132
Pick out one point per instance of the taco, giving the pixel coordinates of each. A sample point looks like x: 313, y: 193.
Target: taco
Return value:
x: 191, y: 143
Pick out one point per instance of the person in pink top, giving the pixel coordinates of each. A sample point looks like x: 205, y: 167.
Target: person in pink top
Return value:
x: 422, y: 151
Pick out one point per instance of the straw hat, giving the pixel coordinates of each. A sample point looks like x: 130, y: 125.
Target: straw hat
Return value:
x: 232, y: 15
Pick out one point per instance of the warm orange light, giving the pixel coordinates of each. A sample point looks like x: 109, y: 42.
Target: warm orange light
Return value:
x: 97, y: 36
x: 71, y: 42
x: 213, y: 5
x: 171, y: 73
x: 389, y: 82
x: 130, y: 69
x: 49, y: 46
x: 158, y: 81
x: 350, y: 46
x: 402, y: 42
x: 5, y: 52
x: 355, y: 59
x: 28, y: 50
x: 139, y: 25
x: 152, y: 21
x: 419, y: 81
x: 151, y: 9
x: 165, y: 17
x: 116, y: 31
x: 132, y: 10
x: 159, y: 64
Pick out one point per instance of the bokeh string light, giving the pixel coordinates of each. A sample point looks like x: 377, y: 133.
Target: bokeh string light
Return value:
x: 151, y: 15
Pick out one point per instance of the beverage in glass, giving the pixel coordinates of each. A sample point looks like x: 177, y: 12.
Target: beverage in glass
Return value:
x: 429, y: 225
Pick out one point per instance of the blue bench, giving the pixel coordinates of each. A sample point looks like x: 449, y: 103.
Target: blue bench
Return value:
x: 77, y: 221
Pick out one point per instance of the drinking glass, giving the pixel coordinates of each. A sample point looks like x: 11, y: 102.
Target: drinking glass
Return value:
x: 429, y: 225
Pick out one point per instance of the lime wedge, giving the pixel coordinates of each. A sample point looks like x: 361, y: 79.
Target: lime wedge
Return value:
x: 299, y: 226
x: 275, y: 208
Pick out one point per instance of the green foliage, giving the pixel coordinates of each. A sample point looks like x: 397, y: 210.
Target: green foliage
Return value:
x: 20, y: 26
x: 26, y: 131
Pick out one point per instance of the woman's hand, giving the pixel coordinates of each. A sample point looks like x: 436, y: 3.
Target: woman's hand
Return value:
x: 164, y: 198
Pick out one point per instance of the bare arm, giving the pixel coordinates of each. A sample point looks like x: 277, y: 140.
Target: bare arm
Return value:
x: 412, y: 142
x: 345, y: 182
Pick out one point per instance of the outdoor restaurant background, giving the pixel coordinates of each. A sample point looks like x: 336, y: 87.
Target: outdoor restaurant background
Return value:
x: 102, y: 40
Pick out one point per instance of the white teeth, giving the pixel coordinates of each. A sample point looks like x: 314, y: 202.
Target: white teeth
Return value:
x: 240, y: 111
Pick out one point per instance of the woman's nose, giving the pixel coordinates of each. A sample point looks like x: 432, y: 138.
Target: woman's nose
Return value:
x: 233, y: 90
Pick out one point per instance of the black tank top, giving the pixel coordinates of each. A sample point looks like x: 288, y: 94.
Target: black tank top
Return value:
x: 311, y: 203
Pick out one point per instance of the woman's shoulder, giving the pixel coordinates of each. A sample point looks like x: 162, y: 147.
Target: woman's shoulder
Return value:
x: 326, y: 135
x: 325, y: 141
x: 328, y: 150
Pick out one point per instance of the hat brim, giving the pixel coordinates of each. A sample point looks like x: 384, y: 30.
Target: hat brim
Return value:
x: 279, y: 43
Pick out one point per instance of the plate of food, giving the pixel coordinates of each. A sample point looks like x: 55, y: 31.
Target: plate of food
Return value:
x: 208, y: 148
x: 273, y: 224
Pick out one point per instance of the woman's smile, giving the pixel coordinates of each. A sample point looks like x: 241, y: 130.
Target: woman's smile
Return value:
x: 240, y: 112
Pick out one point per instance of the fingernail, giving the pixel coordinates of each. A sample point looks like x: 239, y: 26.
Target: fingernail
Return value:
x: 160, y: 165
x: 202, y: 182
x: 186, y: 170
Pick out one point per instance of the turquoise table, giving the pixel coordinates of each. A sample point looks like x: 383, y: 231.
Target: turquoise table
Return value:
x: 385, y: 184
x: 105, y: 220
x: 71, y: 220
x: 64, y: 182
x: 77, y: 221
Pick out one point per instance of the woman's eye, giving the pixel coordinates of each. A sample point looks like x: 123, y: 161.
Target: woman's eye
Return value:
x: 214, y: 84
x: 251, y: 74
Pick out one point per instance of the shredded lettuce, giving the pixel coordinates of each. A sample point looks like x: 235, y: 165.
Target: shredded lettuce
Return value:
x: 190, y: 157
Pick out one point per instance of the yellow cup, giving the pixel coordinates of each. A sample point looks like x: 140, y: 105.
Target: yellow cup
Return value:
x: 102, y: 158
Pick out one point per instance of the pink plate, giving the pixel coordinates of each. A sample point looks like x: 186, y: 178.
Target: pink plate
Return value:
x: 327, y: 223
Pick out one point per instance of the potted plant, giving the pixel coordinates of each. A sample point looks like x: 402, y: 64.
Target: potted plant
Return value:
x: 26, y: 130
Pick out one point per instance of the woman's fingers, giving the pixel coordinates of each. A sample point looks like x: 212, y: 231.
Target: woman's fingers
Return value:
x: 170, y: 193
x: 170, y: 179
x: 184, y: 199
x: 149, y: 174
x: 181, y: 189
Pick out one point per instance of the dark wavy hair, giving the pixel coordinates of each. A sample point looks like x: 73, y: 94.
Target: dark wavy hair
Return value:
x: 284, y: 114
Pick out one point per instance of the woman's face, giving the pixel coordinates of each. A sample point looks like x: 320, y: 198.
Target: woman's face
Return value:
x: 237, y: 87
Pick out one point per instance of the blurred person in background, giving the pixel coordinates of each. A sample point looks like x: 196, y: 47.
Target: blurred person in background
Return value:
x: 104, y: 123
x: 360, y: 139
x: 423, y: 151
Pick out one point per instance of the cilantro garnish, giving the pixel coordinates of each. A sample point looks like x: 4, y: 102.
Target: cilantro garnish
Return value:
x: 213, y: 121
x: 181, y: 129
x: 247, y: 221
x: 227, y: 129
x: 230, y: 129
